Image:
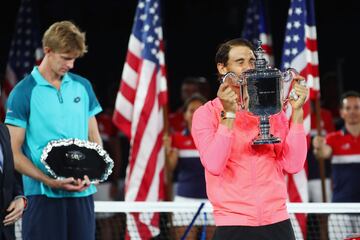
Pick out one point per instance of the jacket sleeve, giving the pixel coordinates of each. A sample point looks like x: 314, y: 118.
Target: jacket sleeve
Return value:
x: 18, y: 187
x: 213, y: 140
x: 15, y: 178
x: 294, y: 149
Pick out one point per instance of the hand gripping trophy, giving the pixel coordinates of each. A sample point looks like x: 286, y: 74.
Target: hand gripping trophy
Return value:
x: 265, y: 89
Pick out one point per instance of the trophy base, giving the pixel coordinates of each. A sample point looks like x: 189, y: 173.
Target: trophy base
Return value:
x: 266, y: 140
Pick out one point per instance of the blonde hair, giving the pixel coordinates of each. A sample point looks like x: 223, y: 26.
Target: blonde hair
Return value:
x: 65, y: 37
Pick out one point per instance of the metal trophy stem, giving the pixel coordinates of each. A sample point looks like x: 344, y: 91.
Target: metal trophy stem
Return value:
x: 264, y: 136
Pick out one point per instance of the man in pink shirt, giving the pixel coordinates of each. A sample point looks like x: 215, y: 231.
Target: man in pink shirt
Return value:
x: 245, y: 183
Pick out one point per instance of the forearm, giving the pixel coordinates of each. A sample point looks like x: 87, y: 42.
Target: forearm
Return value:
x: 94, y: 134
x: 295, y: 149
x: 24, y: 166
x: 95, y: 138
x: 297, y: 116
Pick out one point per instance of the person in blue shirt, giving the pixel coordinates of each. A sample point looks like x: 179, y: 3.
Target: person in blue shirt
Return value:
x: 51, y: 103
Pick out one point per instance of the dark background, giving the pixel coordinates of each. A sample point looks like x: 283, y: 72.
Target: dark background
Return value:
x: 192, y: 31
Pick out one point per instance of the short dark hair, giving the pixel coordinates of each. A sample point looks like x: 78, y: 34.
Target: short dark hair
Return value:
x: 222, y: 54
x: 192, y: 98
x: 348, y: 94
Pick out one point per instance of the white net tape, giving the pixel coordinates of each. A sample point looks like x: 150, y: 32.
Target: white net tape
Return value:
x: 324, y: 220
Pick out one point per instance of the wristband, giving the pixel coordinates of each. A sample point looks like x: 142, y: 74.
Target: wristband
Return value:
x: 24, y: 200
x: 227, y: 115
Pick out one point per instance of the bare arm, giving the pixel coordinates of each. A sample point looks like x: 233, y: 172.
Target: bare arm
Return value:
x: 94, y: 134
x: 172, y: 154
x: 321, y: 149
x: 297, y: 105
x: 26, y: 167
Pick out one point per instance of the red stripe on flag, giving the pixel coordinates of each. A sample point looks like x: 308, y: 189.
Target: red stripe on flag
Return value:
x: 162, y: 184
x: 133, y: 61
x: 267, y: 49
x: 142, y: 228
x: 163, y: 96
x: 150, y: 170
x: 311, y: 44
x: 307, y: 109
x: 294, y: 196
x: 127, y: 91
x: 310, y: 69
x: 122, y: 123
x: 163, y: 70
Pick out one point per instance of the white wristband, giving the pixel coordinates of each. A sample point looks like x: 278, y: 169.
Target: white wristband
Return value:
x: 228, y: 115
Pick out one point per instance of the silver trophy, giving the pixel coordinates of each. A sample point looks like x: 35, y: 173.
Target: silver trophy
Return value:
x: 264, y: 86
x: 72, y: 157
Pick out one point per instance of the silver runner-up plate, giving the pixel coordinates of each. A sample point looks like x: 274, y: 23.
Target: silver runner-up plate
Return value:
x: 65, y: 158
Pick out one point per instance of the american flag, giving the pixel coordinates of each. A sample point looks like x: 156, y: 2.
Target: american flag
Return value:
x: 25, y: 49
x: 300, y: 52
x: 139, y: 115
x: 256, y: 28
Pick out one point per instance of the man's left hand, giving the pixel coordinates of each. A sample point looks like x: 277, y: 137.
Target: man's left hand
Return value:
x: 301, y: 91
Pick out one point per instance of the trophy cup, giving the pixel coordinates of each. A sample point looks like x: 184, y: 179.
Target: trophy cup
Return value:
x: 65, y: 158
x: 265, y: 89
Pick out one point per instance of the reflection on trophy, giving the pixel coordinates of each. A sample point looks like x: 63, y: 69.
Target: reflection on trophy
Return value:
x: 265, y: 90
x: 75, y: 158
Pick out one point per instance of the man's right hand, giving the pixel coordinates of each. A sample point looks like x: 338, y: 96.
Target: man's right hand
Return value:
x: 320, y: 148
x: 228, y: 97
x: 70, y: 184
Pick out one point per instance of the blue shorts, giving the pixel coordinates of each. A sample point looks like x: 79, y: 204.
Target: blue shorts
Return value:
x: 59, y: 218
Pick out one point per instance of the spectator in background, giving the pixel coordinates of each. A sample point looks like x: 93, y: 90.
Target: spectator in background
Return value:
x: 344, y: 148
x: 189, y: 86
x: 49, y: 104
x: 183, y: 158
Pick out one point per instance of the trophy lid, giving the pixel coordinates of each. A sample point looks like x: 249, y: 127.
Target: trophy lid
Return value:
x: 262, y: 69
x: 260, y: 62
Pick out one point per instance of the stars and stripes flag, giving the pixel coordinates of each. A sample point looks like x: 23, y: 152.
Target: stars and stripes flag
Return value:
x: 256, y: 28
x: 139, y: 115
x: 25, y: 50
x: 300, y: 52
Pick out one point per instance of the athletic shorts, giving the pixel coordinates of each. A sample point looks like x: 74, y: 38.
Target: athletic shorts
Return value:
x: 59, y: 218
x: 277, y: 231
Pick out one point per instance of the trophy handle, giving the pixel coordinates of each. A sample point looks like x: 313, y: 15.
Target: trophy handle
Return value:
x: 288, y: 76
x: 242, y: 83
x: 237, y: 81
